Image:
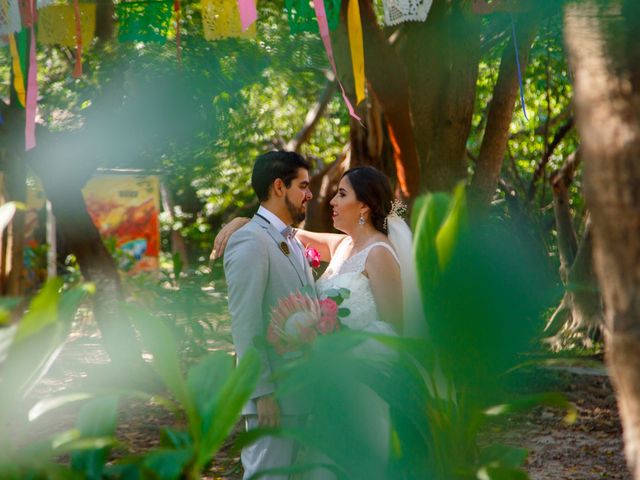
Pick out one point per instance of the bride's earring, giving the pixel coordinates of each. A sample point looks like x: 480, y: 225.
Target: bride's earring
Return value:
x: 361, y: 220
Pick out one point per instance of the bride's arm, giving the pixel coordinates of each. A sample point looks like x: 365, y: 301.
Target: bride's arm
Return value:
x: 386, y: 284
x: 325, y: 243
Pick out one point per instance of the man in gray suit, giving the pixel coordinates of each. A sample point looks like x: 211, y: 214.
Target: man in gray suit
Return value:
x: 263, y: 262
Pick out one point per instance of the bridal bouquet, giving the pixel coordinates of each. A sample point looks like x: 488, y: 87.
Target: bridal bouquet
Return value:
x: 298, y: 319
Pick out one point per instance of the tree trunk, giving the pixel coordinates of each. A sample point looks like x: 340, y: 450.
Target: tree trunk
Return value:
x: 96, y: 263
x: 16, y: 184
x: 607, y: 103
x: 392, y: 93
x: 496, y: 134
x: 442, y: 57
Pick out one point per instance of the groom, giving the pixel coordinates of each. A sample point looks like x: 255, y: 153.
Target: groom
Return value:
x: 263, y: 262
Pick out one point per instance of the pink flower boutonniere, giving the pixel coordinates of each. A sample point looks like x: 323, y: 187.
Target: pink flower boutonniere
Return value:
x: 313, y: 257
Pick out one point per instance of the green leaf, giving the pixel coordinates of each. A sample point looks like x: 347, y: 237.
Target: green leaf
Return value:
x: 233, y: 396
x: 345, y: 293
x: 501, y: 473
x: 308, y: 290
x: 332, y: 292
x: 168, y: 464
x: 51, y: 403
x: 7, y: 304
x: 503, y: 455
x: 43, y: 310
x: 428, y: 215
x: 528, y: 402
x: 450, y: 231
x: 175, y: 438
x: 97, y: 419
x: 159, y: 340
x: 86, y: 443
x: 344, y: 312
x: 205, y: 382
x: 28, y: 361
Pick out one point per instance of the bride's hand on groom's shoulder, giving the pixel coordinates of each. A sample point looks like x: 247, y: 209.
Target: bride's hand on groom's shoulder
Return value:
x: 220, y: 242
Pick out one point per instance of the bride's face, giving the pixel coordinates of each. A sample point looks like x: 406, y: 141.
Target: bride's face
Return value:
x: 346, y: 207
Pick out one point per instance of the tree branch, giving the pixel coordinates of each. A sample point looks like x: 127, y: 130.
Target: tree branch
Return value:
x: 314, y: 115
x: 392, y: 90
x: 496, y: 135
x: 557, y: 138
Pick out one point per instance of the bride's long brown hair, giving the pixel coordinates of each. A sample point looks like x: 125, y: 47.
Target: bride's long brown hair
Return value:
x: 372, y: 187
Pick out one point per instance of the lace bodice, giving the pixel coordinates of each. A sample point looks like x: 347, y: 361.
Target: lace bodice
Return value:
x: 347, y: 273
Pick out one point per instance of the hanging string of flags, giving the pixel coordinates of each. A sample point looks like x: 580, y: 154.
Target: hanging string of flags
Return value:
x: 73, y: 25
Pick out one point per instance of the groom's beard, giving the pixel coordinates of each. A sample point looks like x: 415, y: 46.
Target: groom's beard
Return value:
x: 297, y: 213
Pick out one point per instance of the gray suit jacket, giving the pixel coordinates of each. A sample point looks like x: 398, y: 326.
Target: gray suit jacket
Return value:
x: 258, y: 274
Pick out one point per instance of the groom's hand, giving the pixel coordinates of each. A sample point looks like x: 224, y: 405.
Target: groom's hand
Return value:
x: 268, y: 411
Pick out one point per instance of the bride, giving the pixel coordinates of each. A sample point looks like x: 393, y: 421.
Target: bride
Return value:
x: 372, y: 259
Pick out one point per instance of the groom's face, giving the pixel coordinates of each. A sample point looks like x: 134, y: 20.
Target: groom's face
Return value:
x: 297, y: 196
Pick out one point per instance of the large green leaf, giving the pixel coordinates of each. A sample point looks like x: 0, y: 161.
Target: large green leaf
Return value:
x: 43, y: 310
x: 6, y: 305
x: 428, y: 215
x: 51, y: 403
x: 97, y: 419
x: 168, y: 464
x: 527, y: 402
x: 501, y: 473
x: 234, y: 394
x: 159, y: 341
x: 450, y: 231
x: 39, y: 338
x: 206, y: 381
x: 503, y: 455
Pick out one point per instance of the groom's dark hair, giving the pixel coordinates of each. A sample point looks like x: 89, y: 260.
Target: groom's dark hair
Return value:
x: 272, y: 165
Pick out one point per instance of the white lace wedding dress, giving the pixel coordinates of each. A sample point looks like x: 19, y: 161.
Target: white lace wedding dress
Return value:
x: 348, y: 273
x: 368, y: 412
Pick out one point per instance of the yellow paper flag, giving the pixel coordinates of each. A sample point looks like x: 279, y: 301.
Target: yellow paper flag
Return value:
x: 221, y: 19
x: 18, y: 78
x: 57, y: 24
x: 357, y: 49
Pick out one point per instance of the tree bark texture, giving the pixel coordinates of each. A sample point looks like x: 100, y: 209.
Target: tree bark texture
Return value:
x: 505, y: 93
x: 392, y: 93
x: 441, y: 58
x: 607, y: 104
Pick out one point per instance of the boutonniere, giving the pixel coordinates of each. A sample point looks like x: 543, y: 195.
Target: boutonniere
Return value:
x: 313, y: 257
x: 285, y: 248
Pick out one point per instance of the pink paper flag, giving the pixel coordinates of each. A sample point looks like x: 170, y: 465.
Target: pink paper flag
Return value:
x: 248, y: 13
x: 32, y: 95
x: 323, y: 25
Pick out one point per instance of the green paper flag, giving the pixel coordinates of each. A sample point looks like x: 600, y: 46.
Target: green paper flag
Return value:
x: 144, y: 21
x: 302, y: 17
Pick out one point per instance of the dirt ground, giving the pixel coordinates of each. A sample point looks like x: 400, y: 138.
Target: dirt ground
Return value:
x: 589, y: 448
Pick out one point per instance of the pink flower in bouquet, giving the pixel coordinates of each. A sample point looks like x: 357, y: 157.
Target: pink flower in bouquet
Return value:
x: 329, y: 307
x: 298, y: 319
x: 313, y: 257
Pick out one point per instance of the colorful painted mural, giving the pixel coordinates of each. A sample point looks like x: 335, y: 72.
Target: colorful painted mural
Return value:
x: 125, y: 208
